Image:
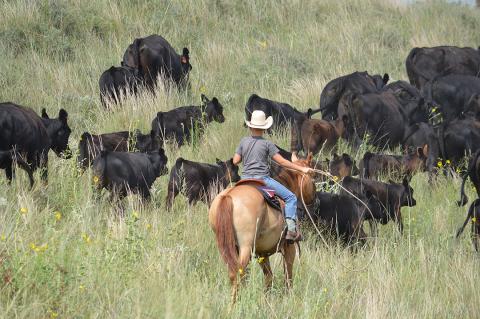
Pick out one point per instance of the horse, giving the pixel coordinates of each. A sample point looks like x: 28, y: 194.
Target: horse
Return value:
x: 244, y: 223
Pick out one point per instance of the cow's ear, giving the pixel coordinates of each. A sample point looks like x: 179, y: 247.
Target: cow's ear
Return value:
x: 218, y: 161
x: 309, y: 113
x: 204, y: 99
x: 63, y: 115
x: 186, y: 53
x: 215, y: 100
x: 425, y: 150
x: 385, y: 78
x: 44, y: 114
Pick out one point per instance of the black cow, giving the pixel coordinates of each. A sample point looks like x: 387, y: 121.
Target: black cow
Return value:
x: 31, y: 136
x: 451, y: 94
x: 411, y: 100
x: 123, y: 172
x: 180, y: 123
x: 90, y: 145
x: 200, y: 181
x: 116, y: 83
x: 153, y: 56
x: 354, y: 83
x: 384, y: 200
x: 283, y: 114
x: 378, y: 115
x: 424, y: 64
x: 458, y: 138
x: 341, y: 215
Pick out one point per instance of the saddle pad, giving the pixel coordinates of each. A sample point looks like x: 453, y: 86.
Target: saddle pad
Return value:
x: 270, y: 197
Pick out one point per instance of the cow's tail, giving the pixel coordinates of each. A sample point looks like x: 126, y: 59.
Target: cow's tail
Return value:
x: 225, y: 233
x: 175, y: 182
x: 471, y: 209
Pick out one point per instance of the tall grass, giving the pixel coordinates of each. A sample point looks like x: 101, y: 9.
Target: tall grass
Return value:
x: 65, y: 253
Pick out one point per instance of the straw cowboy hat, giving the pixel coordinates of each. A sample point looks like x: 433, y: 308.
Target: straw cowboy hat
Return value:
x: 258, y: 120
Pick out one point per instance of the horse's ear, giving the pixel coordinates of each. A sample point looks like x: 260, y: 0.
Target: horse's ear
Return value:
x: 309, y: 158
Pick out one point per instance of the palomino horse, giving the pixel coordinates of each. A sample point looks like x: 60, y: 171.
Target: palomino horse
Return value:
x: 244, y: 223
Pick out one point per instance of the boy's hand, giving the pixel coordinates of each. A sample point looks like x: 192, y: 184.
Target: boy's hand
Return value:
x: 307, y: 170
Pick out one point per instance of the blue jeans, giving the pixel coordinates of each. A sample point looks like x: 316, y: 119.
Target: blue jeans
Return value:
x: 283, y: 192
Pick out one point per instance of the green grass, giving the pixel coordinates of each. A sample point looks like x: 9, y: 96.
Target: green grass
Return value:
x: 91, y: 263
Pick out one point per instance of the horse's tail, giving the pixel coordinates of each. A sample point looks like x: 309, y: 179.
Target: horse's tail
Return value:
x: 225, y: 233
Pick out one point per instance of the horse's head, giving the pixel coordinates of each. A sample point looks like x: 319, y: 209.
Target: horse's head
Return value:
x: 304, y: 184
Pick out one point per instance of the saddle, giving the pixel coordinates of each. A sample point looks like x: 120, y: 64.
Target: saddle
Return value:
x: 268, y: 194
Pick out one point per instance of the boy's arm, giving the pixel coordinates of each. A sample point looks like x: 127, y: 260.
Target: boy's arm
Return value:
x: 236, y: 159
x: 287, y: 164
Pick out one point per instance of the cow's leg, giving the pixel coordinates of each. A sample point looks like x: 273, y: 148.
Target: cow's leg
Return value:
x: 20, y: 162
x: 43, y: 164
x: 267, y: 272
x: 288, y: 259
x: 172, y: 192
x: 9, y: 171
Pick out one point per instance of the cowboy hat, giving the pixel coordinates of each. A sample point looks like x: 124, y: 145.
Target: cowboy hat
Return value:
x: 258, y: 120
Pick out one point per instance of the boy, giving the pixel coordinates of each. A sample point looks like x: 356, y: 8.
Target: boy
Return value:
x: 255, y: 151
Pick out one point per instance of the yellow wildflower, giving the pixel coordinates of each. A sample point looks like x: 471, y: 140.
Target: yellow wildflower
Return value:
x: 263, y: 44
x: 135, y: 214
x: 325, y: 290
x: 23, y: 210
x: 81, y: 288
x: 58, y: 215
x: 439, y: 164
x: 202, y: 89
x: 240, y: 271
x: 335, y: 178
x: 261, y: 260
x: 148, y: 226
x: 33, y: 246
x: 447, y: 162
x: 434, y: 109
x: 3, y: 237
x: 96, y: 179
x: 474, y: 220
x: 86, y: 238
x: 53, y: 314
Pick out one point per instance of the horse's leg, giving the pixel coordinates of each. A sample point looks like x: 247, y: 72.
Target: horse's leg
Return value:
x: 288, y: 259
x: 245, y: 255
x: 267, y: 273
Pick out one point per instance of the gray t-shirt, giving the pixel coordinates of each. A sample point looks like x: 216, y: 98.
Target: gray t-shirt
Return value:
x: 256, y: 152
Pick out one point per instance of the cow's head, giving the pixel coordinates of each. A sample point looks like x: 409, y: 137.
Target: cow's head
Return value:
x: 185, y: 60
x: 380, y: 81
x: 213, y: 109
x: 342, y: 166
x: 159, y: 162
x: 131, y: 56
x: 406, y: 196
x: 231, y: 170
x: 417, y: 160
x: 146, y: 143
x: 58, y: 132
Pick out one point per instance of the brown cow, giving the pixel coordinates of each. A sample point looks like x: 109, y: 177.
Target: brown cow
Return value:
x: 316, y: 135
x: 399, y: 166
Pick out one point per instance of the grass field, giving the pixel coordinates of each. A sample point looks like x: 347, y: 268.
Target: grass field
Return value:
x: 65, y: 254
